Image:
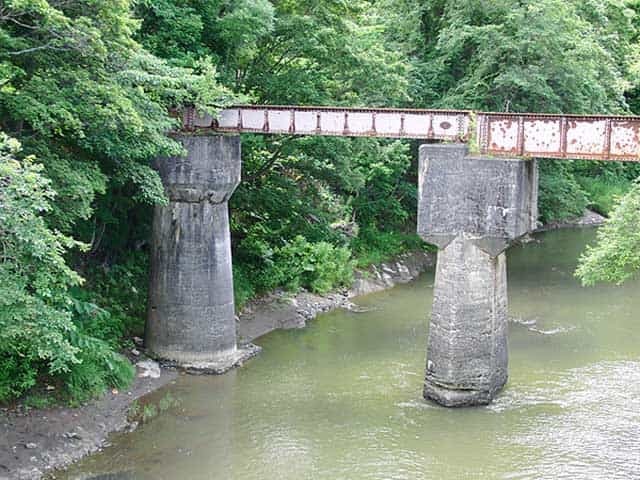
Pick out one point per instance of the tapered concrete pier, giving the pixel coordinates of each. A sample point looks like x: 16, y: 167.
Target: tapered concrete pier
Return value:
x: 191, y: 314
x: 472, y: 208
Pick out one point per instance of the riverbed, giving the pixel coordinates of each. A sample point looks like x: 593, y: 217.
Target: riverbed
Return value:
x: 341, y: 399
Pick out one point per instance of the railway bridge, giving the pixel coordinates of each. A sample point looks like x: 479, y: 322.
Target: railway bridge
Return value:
x: 478, y: 186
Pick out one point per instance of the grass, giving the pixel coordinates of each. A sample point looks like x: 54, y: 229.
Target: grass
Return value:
x: 148, y: 410
x: 39, y: 400
x: 374, y: 247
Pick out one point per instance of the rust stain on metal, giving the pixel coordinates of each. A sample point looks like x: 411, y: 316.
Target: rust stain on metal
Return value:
x: 607, y: 138
x: 520, y: 139
x: 355, y: 122
x: 292, y: 121
x: 595, y: 137
x: 589, y: 137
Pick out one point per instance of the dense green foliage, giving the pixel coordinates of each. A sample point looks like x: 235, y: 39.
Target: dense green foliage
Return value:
x: 616, y: 257
x: 86, y: 87
x: 35, y: 315
x: 42, y: 331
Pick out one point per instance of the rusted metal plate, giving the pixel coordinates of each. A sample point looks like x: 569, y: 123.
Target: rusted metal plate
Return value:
x: 588, y: 137
x: 451, y: 125
x: 594, y: 137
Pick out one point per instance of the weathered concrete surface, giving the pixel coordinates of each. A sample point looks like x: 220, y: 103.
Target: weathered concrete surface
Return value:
x: 472, y: 208
x: 191, y: 314
x: 467, y: 345
x: 492, y: 200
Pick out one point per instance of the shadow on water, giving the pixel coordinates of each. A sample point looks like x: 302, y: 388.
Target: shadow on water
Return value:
x: 342, y: 398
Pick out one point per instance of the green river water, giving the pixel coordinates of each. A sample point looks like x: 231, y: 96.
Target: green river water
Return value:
x: 341, y: 399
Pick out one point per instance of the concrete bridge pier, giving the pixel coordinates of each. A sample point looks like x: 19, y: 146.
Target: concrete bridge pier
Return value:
x: 191, y: 312
x: 472, y: 208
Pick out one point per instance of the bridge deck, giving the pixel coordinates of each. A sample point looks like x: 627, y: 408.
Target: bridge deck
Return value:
x: 593, y: 137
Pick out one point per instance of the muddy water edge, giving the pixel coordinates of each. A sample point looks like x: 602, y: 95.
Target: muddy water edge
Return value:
x: 34, y: 441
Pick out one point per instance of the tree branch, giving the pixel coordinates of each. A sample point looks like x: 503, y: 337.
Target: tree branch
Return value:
x: 268, y: 164
x: 46, y: 46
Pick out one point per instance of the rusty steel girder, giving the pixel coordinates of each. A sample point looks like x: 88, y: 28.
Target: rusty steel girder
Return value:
x: 593, y: 137
x: 449, y: 125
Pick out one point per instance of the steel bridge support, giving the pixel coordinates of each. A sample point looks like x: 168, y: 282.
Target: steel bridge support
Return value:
x: 191, y: 314
x: 472, y: 208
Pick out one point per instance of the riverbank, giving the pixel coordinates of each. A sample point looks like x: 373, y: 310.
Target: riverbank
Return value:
x: 36, y: 441
x: 588, y: 219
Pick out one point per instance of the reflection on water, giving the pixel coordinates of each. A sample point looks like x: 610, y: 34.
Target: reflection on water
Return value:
x: 341, y: 399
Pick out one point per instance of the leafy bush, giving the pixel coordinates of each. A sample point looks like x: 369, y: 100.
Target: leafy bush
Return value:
x: 372, y: 246
x: 388, y: 199
x: 35, y: 315
x: 122, y: 290
x: 603, y: 193
x: 99, y: 367
x: 616, y: 257
x: 243, y: 288
x: 318, y: 267
x: 38, y: 335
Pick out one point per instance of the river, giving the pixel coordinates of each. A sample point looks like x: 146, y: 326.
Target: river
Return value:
x: 341, y: 399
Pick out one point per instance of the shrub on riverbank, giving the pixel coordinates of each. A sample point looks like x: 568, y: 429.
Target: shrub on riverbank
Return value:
x: 372, y: 246
x: 616, y: 256
x: 603, y: 193
x: 318, y: 267
x: 560, y: 195
x: 41, y: 333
